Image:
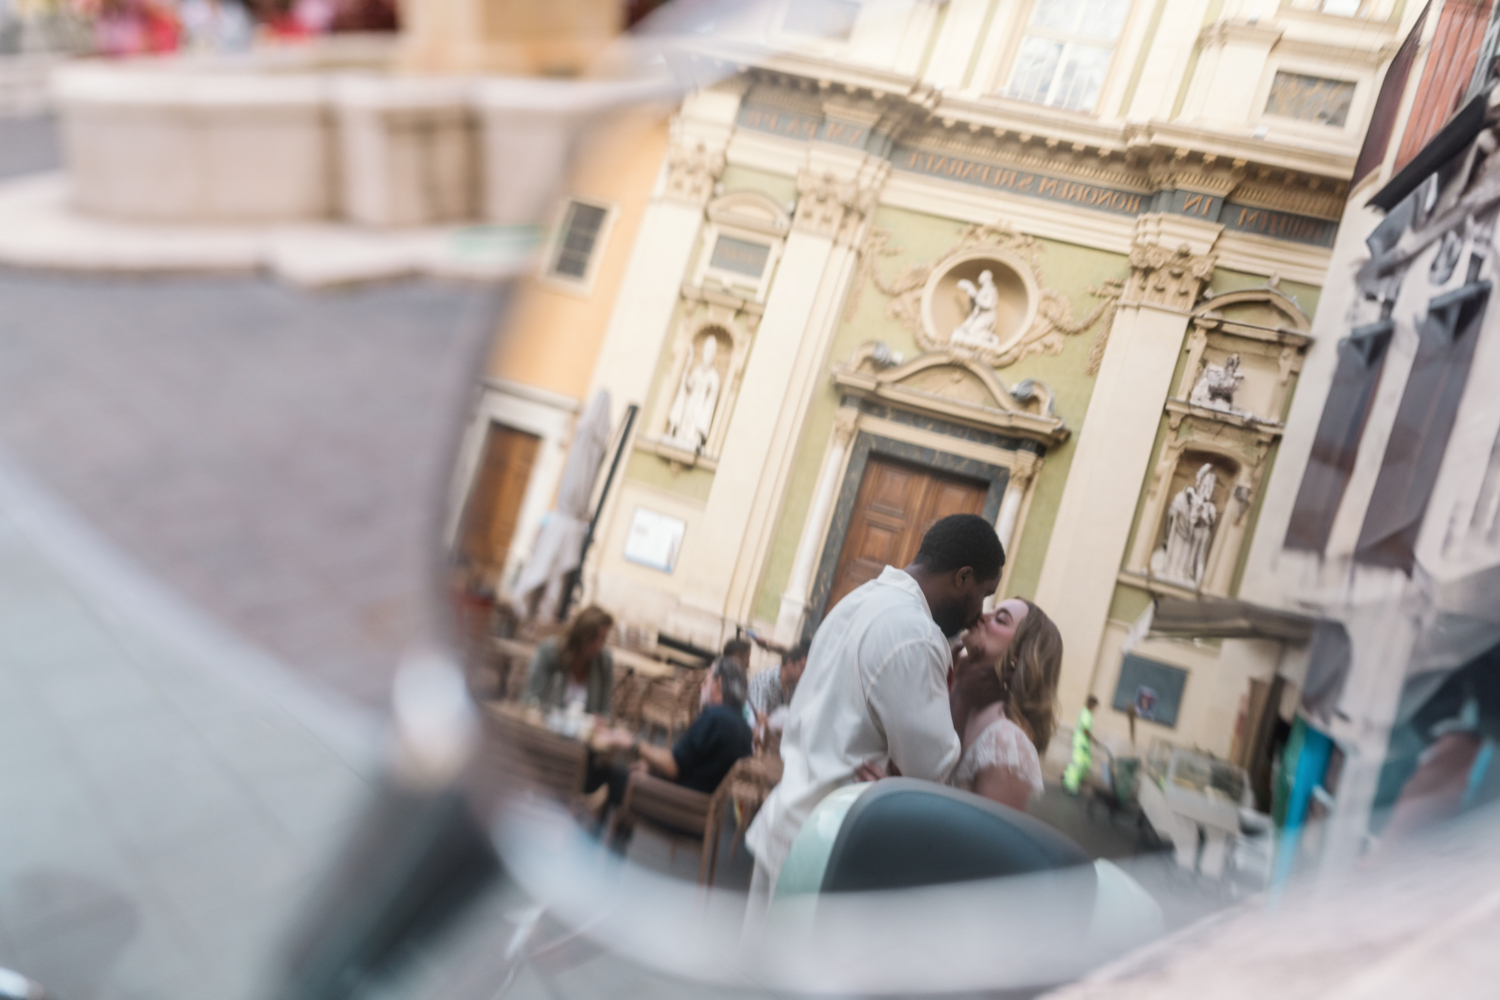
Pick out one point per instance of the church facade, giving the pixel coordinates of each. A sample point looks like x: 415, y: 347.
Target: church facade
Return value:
x: 1049, y: 262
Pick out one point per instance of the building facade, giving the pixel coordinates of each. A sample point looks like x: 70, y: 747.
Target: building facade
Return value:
x: 1381, y: 519
x: 1050, y: 263
x: 536, y: 379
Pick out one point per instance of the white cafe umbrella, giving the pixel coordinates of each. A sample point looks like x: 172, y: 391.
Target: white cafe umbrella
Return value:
x: 559, y: 545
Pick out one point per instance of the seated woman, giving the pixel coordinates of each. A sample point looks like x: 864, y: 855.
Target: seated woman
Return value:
x: 1007, y: 671
x: 577, y: 669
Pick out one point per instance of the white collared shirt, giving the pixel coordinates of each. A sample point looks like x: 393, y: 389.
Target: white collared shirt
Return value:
x: 875, y: 689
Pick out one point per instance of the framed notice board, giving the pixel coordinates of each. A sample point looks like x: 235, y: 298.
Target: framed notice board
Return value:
x: 1155, y: 689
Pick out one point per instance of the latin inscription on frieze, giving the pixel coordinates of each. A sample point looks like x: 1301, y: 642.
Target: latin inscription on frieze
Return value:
x: 998, y: 177
x: 1001, y: 178
x: 803, y: 127
x: 1278, y: 225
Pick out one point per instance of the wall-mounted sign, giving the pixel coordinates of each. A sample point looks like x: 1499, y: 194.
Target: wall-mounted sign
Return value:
x: 654, y: 539
x: 1153, y: 689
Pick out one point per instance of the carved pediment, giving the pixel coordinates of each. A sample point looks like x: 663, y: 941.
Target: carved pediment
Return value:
x: 1265, y: 312
x: 955, y: 388
x: 750, y: 210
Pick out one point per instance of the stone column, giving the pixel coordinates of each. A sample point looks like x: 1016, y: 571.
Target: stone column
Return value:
x: 1022, y: 471
x: 653, y: 277
x: 1114, y: 452
x: 785, y: 363
x: 793, y: 612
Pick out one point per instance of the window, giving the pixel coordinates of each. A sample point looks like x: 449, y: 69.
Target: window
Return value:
x: 1341, y: 8
x: 1310, y: 98
x: 1424, y: 422
x: 578, y: 238
x: 830, y: 19
x: 1066, y: 51
x: 740, y: 256
x: 1361, y: 357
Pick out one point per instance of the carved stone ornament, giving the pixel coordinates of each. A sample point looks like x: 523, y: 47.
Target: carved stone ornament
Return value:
x: 1162, y: 277
x: 1023, y: 468
x: 1191, y: 518
x: 692, y: 172
x: 828, y: 206
x: 951, y: 387
x: 1217, y: 385
x: 1050, y: 317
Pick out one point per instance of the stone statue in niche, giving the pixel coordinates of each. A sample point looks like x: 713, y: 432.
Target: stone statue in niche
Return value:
x: 1190, y: 528
x: 978, y: 328
x: 1217, y: 385
x: 692, y: 413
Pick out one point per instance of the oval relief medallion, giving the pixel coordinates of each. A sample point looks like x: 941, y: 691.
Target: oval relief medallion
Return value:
x: 978, y: 303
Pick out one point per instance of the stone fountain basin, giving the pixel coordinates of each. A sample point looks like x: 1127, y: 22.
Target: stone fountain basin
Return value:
x: 320, y: 131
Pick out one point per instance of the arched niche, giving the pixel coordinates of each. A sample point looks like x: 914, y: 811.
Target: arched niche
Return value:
x: 1265, y: 330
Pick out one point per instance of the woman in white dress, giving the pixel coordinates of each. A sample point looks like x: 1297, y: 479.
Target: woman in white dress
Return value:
x: 1007, y: 669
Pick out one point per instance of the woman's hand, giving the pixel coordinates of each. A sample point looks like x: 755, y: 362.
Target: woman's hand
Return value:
x: 871, y: 770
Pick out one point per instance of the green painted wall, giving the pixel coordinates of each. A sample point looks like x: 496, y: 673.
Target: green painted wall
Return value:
x: 653, y: 470
x: 1306, y: 296
x: 1128, y: 603
x: 922, y: 238
x: 779, y: 187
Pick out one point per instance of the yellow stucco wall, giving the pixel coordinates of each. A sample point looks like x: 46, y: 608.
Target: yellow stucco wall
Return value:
x: 552, y: 336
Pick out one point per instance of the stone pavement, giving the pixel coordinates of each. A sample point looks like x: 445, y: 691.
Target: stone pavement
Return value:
x: 169, y: 796
x: 166, y: 792
x: 279, y: 456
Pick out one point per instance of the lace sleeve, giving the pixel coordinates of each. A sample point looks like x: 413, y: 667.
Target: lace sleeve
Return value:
x: 1002, y: 744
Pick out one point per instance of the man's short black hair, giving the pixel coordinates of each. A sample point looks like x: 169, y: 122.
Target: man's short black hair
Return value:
x: 960, y: 540
x: 737, y: 648
x: 797, y: 652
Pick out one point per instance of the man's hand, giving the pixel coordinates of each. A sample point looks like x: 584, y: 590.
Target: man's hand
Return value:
x: 614, y: 739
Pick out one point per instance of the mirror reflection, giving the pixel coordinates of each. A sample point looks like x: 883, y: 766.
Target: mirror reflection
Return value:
x: 954, y: 493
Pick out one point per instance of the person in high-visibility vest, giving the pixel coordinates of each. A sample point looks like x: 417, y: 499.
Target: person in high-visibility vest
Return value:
x: 1083, y: 747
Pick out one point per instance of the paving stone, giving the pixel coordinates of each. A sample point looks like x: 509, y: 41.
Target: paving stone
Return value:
x: 276, y: 455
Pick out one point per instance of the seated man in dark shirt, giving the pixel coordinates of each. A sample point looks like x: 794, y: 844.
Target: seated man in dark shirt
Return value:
x: 717, y: 738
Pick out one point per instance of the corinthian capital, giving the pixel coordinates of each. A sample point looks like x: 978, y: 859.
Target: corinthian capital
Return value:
x: 1023, y: 467
x: 692, y: 171
x: 1163, y: 277
x: 827, y: 206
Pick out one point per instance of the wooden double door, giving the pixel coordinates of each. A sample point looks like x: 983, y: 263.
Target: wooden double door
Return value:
x: 494, y: 504
x: 897, y: 503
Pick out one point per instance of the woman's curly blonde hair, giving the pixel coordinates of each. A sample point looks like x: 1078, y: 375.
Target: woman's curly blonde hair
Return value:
x: 1028, y: 674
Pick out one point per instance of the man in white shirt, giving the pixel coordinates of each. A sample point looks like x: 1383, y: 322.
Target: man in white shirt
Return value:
x: 876, y: 685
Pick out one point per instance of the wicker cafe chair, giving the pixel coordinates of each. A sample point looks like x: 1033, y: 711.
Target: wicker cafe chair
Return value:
x: 551, y: 762
x: 514, y: 670
x: 747, y: 785
x: 677, y: 813
x: 671, y: 703
x: 629, y: 694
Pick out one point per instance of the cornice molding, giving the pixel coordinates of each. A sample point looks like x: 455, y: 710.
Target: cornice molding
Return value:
x: 1222, y: 33
x: 1343, y: 54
